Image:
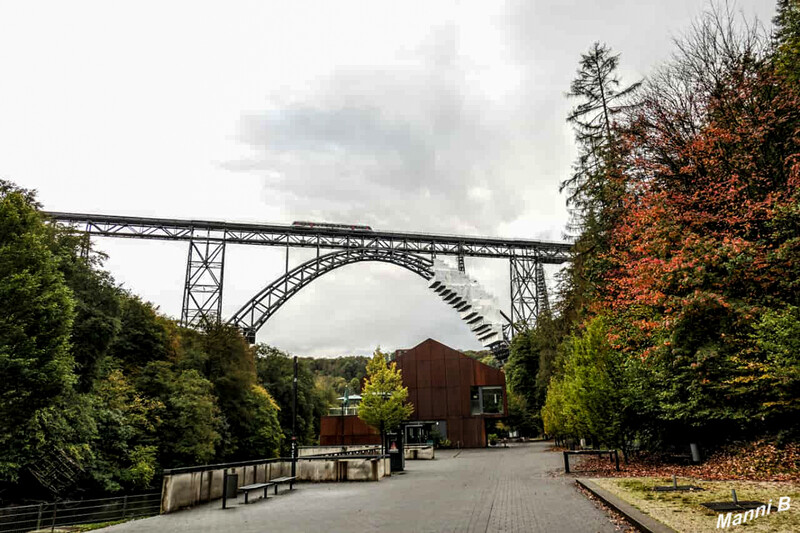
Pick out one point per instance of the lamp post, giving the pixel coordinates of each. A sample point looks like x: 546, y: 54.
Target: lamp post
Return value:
x: 345, y: 401
x: 384, y: 447
x: 294, y: 415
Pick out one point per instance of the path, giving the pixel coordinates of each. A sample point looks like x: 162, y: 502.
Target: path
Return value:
x: 506, y: 489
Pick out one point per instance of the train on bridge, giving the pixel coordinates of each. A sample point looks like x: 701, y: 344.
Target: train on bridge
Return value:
x: 328, y: 225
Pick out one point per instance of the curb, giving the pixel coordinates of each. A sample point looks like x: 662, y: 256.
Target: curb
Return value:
x: 640, y: 521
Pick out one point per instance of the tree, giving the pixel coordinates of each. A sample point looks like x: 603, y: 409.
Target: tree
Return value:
x: 98, y: 305
x: 347, y: 367
x: 35, y: 324
x: 597, y: 181
x: 126, y: 445
x: 521, y: 417
x: 554, y: 416
x: 484, y: 356
x: 191, y: 423
x: 383, y: 397
x: 786, y: 39
x: 246, y: 406
x: 142, y: 336
x: 777, y: 337
x: 595, y: 386
x: 276, y: 374
x: 532, y: 361
x: 261, y: 431
x: 597, y: 85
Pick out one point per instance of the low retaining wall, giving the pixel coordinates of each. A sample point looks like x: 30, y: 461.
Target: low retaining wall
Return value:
x: 418, y: 452
x: 304, y: 451
x: 180, y: 490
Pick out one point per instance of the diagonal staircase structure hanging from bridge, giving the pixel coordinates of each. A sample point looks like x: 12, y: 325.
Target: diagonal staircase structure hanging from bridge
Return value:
x: 479, y: 309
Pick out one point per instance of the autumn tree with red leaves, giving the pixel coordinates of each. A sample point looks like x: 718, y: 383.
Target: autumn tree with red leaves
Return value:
x: 700, y: 281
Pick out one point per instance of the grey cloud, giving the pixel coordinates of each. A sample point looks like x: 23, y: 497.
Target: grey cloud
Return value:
x: 408, y: 146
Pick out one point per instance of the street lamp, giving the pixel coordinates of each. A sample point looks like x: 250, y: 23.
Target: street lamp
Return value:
x: 345, y: 401
x: 294, y: 415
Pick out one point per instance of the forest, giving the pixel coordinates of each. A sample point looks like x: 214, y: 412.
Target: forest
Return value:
x: 679, y: 317
x: 102, y: 391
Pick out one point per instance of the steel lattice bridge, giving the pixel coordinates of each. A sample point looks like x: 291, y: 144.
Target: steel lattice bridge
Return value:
x: 336, y: 246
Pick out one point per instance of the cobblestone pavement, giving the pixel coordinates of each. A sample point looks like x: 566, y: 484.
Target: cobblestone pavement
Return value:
x: 504, y: 489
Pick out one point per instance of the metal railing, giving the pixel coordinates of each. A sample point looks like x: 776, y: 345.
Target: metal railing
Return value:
x: 337, y: 411
x: 44, y: 516
x: 254, y: 462
x: 361, y: 453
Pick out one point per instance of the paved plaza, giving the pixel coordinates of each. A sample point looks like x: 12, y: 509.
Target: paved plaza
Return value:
x: 505, y: 489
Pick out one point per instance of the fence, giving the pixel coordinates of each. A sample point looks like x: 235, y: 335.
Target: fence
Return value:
x: 45, y: 516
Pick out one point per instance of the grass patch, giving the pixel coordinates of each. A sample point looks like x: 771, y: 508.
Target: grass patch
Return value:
x: 99, y: 525
x: 683, y: 511
x: 80, y: 528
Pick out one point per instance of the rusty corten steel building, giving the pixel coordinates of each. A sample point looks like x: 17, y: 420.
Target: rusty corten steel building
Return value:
x: 452, y: 394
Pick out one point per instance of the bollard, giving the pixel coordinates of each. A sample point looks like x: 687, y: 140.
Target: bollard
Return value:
x: 735, y: 499
x: 674, y: 482
x: 224, y: 488
x: 695, y: 452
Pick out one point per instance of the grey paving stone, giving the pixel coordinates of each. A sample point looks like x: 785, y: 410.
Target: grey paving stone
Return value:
x: 504, y: 490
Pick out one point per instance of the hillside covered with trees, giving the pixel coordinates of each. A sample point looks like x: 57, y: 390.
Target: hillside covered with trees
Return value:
x: 101, y: 391
x: 679, y: 320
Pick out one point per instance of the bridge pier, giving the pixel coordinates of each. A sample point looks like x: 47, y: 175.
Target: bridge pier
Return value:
x: 528, y: 291
x: 202, y: 292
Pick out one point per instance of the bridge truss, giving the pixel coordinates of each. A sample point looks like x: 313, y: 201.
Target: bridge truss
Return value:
x: 203, y: 289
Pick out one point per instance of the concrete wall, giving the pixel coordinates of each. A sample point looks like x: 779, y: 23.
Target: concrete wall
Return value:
x: 304, y: 451
x: 179, y: 491
x: 418, y: 452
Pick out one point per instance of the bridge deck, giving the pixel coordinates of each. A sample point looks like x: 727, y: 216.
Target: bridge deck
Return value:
x: 317, y: 237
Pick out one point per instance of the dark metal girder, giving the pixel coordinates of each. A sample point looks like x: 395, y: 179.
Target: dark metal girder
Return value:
x: 285, y: 235
x: 202, y: 292
x: 528, y: 292
x: 252, y: 315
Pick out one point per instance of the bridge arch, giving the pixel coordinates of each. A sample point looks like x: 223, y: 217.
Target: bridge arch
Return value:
x: 253, y: 314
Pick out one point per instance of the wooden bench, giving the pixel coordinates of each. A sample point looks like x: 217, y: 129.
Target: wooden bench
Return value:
x: 255, y: 486
x: 612, y: 455
x: 286, y: 479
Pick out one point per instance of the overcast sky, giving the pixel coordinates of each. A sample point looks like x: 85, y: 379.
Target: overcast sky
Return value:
x: 414, y: 116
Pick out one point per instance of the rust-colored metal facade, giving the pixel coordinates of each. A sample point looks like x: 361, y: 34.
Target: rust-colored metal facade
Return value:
x: 440, y: 381
x: 355, y: 431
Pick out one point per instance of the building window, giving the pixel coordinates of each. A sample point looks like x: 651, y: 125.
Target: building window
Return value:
x: 492, y: 400
x: 475, y: 400
x: 486, y: 400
